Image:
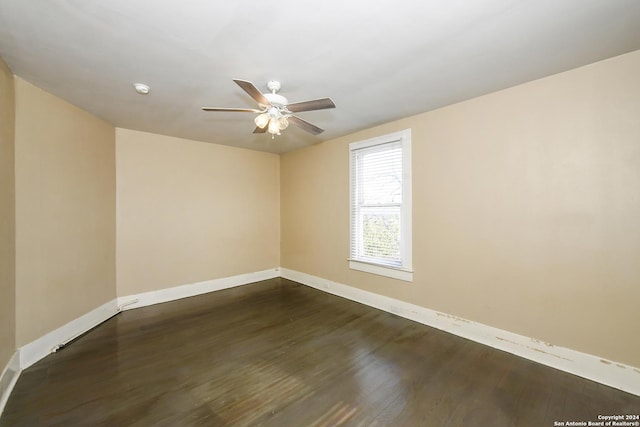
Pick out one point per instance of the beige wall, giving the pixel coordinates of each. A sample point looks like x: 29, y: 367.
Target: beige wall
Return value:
x: 526, y: 210
x: 190, y: 211
x: 65, y: 212
x: 7, y: 218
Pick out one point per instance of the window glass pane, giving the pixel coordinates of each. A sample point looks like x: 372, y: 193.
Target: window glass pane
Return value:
x: 381, y: 176
x: 381, y: 234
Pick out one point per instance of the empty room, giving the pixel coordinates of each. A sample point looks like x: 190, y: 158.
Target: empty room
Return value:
x: 391, y: 213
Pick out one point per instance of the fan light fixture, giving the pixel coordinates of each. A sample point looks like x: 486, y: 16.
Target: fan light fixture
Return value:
x: 262, y: 120
x: 273, y: 119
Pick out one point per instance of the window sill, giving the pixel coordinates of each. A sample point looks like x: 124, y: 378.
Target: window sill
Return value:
x: 382, y: 270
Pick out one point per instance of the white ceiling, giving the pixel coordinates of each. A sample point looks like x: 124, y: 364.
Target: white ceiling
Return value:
x: 378, y: 60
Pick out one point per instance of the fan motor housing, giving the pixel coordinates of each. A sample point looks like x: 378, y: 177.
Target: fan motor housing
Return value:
x: 276, y: 99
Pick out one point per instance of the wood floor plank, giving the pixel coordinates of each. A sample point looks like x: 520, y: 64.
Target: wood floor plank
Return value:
x: 278, y: 354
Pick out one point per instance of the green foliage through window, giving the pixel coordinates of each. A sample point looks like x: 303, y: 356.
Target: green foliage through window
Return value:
x: 381, y: 237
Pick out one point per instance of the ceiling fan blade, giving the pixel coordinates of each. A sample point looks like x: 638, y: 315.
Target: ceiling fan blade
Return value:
x: 314, y: 104
x: 311, y: 128
x: 253, y: 91
x: 258, y: 129
x: 233, y: 110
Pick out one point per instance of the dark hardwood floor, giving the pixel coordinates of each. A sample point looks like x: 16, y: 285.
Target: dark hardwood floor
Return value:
x: 277, y: 353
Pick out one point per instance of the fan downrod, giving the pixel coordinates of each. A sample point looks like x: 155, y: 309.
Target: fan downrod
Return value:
x: 276, y: 100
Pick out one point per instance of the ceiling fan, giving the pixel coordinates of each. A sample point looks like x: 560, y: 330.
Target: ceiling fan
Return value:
x: 275, y: 111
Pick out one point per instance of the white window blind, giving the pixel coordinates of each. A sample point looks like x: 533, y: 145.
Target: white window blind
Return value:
x: 380, y: 214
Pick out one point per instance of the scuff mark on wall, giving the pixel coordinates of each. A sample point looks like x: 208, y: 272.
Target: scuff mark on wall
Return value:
x: 457, y: 319
x: 535, y: 341
x: 506, y: 340
x: 549, y: 354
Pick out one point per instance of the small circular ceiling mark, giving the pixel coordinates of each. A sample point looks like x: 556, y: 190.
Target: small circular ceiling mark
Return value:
x: 141, y: 88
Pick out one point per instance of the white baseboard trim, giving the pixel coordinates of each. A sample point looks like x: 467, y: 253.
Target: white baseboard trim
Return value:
x: 613, y: 374
x: 184, y: 291
x: 46, y: 344
x: 8, y: 379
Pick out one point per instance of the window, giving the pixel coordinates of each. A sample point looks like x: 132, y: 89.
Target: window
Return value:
x: 381, y: 205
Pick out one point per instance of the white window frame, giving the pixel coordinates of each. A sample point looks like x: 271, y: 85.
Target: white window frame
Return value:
x: 405, y: 270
